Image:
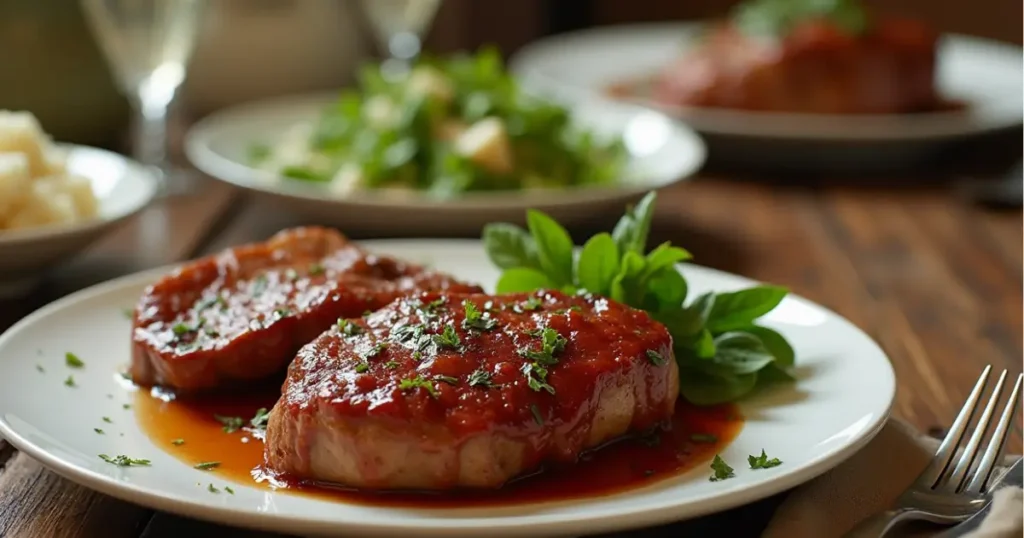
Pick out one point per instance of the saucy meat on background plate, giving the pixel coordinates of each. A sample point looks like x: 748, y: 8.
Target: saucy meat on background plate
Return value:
x: 832, y: 57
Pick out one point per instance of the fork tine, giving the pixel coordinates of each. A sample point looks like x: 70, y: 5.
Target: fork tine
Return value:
x: 944, y: 455
x: 996, y: 443
x: 959, y: 474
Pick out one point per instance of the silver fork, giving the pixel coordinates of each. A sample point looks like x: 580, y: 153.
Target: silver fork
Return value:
x: 948, y: 496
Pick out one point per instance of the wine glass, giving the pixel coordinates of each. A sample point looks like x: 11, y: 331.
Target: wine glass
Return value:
x: 148, y: 44
x: 399, y: 26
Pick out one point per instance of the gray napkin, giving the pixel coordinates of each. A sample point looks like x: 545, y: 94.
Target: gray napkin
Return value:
x: 869, y: 481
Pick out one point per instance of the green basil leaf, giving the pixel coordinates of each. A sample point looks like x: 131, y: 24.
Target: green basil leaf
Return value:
x: 598, y: 264
x: 508, y: 246
x: 704, y: 345
x: 630, y: 233
x: 665, y: 256
x: 668, y: 289
x: 643, y: 214
x: 523, y: 279
x: 702, y: 306
x: 683, y: 324
x: 775, y: 343
x: 626, y: 286
x: 702, y: 388
x: 735, y: 310
x: 741, y: 353
x: 773, y: 374
x: 554, y: 246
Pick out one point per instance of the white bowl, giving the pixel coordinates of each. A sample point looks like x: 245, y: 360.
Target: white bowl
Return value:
x: 122, y: 186
x: 662, y: 152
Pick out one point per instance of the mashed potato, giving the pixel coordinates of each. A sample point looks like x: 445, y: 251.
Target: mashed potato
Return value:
x: 35, y: 188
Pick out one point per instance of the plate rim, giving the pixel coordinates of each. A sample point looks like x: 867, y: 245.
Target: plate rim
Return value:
x: 197, y: 148
x: 51, y: 231
x: 609, y: 521
x: 761, y: 124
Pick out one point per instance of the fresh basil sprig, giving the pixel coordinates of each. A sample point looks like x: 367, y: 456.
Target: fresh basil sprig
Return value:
x: 723, y: 354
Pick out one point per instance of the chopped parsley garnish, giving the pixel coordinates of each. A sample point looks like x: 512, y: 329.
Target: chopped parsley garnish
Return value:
x: 178, y: 442
x: 703, y: 438
x: 447, y: 379
x: 480, y: 378
x: 391, y: 365
x: 476, y: 319
x: 536, y: 415
x: 231, y: 424
x: 126, y: 406
x: 124, y: 461
x: 448, y: 338
x: 282, y: 313
x: 207, y: 465
x: 210, y: 301
x: 762, y: 461
x: 211, y: 489
x: 529, y: 305
x: 70, y: 381
x: 316, y: 269
x: 98, y: 430
x: 552, y: 343
x: 229, y: 490
x: 348, y: 328
x: 180, y: 329
x: 72, y: 360
x: 536, y: 372
x: 419, y: 382
x: 40, y: 368
x: 362, y: 367
x: 536, y: 377
x: 375, y: 350
x: 259, y: 421
x: 655, y: 357
x: 107, y: 420
x: 416, y: 355
x: 721, y: 469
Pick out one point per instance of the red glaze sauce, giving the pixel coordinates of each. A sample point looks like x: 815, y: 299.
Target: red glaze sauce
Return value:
x: 694, y: 436
x: 360, y: 375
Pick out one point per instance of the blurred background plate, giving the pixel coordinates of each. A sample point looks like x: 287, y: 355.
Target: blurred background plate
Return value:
x: 123, y: 187
x: 984, y: 74
x: 661, y: 151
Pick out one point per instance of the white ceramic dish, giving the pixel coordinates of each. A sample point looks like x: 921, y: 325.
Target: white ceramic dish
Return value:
x: 986, y: 75
x: 122, y: 186
x: 662, y: 153
x: 845, y: 389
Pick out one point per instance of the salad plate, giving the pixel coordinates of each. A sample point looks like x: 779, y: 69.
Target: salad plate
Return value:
x: 658, y: 152
x: 66, y: 413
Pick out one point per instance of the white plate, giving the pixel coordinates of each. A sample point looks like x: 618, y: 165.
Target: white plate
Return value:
x: 122, y: 186
x: 661, y: 153
x: 986, y: 75
x: 845, y: 389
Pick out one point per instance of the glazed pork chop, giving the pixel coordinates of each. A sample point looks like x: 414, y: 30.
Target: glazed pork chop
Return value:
x: 814, y: 68
x: 450, y: 390
x: 242, y: 314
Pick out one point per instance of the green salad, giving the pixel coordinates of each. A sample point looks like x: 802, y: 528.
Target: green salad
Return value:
x: 449, y: 126
x: 722, y: 351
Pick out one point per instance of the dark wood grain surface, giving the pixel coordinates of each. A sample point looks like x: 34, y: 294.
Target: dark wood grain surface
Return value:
x: 935, y: 279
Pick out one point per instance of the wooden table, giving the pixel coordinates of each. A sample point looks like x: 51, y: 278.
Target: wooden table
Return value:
x: 934, y: 279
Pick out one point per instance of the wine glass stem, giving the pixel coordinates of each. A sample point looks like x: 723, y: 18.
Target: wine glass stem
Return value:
x: 150, y: 138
